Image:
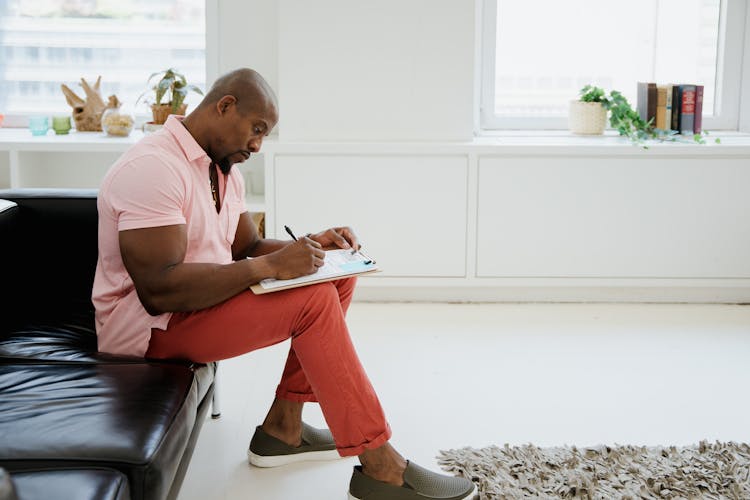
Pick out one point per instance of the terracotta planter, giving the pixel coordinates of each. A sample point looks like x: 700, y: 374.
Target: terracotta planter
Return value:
x: 160, y: 112
x: 587, y: 118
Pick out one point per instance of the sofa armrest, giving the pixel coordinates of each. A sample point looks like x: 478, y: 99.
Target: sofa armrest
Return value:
x: 7, y: 205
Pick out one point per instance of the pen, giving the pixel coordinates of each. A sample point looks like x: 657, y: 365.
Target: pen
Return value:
x: 369, y: 259
x: 290, y: 233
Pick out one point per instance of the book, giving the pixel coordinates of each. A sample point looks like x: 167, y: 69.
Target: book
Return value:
x: 337, y: 264
x: 669, y: 87
x: 676, y: 107
x: 698, y: 118
x: 687, y: 109
x: 651, y: 104
x: 646, y: 100
x: 661, y: 107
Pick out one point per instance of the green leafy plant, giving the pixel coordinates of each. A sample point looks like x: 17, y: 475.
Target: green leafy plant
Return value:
x: 589, y: 93
x: 627, y: 121
x: 172, y: 88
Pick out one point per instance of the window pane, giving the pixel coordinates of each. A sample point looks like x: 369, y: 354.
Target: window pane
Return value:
x: 548, y: 49
x: 45, y: 43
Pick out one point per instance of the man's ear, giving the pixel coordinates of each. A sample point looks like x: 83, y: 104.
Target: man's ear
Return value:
x: 225, y: 103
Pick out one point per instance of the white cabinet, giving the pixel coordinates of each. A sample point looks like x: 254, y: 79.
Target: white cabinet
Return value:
x: 408, y: 210
x: 584, y: 217
x: 75, y: 160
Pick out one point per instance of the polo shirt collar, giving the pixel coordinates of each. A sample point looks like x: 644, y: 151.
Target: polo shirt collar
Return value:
x: 187, y: 142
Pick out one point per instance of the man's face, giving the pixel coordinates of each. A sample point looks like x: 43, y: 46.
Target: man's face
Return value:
x: 239, y: 135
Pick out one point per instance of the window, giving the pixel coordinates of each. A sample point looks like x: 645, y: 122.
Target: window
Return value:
x: 44, y: 44
x: 538, y: 54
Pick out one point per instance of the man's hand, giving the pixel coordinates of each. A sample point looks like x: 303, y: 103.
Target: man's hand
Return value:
x: 337, y: 237
x: 300, y: 258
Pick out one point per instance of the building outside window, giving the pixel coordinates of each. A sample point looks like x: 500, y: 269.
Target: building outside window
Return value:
x: 45, y: 43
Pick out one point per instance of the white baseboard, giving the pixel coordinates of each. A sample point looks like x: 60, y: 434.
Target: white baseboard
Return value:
x: 697, y: 295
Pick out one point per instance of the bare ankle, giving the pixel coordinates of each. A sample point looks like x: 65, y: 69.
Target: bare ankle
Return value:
x: 284, y: 422
x: 290, y: 435
x: 384, y: 464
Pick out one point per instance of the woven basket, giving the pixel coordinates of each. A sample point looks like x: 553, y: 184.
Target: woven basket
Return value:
x: 160, y: 112
x: 587, y: 118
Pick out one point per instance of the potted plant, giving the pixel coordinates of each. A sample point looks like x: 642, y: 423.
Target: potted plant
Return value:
x: 588, y: 114
x: 170, y: 91
x: 622, y: 117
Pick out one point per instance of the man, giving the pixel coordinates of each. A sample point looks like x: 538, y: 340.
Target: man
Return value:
x: 172, y: 282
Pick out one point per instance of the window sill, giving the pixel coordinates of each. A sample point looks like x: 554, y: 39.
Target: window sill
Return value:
x: 511, y: 142
x: 609, y: 138
x: 528, y: 143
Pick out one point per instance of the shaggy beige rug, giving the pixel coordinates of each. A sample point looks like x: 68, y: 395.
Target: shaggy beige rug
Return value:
x: 706, y: 471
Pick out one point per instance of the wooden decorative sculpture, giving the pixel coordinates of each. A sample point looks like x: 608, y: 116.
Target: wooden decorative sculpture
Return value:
x: 87, y: 113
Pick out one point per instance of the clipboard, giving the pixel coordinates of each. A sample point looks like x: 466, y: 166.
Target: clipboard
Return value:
x: 337, y: 264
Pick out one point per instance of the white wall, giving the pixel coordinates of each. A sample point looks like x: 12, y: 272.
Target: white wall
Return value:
x: 356, y: 70
x: 744, y: 124
x: 247, y: 36
x: 413, y: 59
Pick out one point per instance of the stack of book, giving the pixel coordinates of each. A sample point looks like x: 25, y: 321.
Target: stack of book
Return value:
x: 677, y: 107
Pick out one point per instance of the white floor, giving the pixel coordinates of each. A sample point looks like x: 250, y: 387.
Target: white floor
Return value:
x: 453, y: 375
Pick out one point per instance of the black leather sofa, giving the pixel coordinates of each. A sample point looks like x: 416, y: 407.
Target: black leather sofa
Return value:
x: 75, y: 423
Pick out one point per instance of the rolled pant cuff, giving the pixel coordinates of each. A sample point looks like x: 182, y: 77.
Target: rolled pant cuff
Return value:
x: 297, y: 397
x: 370, y: 445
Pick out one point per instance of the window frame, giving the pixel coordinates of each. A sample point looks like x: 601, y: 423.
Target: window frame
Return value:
x: 734, y: 21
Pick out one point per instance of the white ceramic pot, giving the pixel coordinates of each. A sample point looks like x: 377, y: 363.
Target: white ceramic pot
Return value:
x: 151, y: 127
x: 587, y: 118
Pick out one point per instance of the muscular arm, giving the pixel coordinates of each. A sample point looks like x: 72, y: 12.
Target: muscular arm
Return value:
x: 248, y: 243
x: 154, y: 258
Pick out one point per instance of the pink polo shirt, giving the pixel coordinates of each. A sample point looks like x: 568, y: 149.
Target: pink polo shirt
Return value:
x: 161, y: 181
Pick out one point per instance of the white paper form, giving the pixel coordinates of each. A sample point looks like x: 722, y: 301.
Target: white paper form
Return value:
x: 337, y: 263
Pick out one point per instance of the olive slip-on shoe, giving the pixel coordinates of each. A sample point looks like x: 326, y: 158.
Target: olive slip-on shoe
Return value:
x: 419, y: 484
x: 267, y: 451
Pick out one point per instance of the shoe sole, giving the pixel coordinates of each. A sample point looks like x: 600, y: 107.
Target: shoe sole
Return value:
x: 279, y: 460
x: 472, y: 494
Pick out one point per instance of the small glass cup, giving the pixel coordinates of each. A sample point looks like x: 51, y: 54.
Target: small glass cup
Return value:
x: 39, y: 125
x: 61, y: 124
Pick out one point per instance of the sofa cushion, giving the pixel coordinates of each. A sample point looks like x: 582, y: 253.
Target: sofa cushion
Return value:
x: 72, y: 340
x: 136, y: 418
x: 78, y: 484
x: 75, y: 344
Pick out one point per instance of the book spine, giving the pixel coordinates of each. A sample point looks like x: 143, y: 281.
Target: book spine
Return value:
x: 687, y: 111
x: 698, y: 119
x: 642, y: 100
x: 676, y: 107
x: 652, y: 97
x: 668, y: 124
x: 661, y: 107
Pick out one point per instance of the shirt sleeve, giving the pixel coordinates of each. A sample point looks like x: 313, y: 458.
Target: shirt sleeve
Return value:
x: 147, y: 192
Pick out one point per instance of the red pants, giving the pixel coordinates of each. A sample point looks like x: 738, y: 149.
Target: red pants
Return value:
x: 322, y: 365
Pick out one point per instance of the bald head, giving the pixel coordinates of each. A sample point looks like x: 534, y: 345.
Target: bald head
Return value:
x: 249, y: 88
x: 234, y: 117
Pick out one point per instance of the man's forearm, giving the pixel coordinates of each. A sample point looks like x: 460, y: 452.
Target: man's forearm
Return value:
x: 176, y: 289
x: 266, y: 246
